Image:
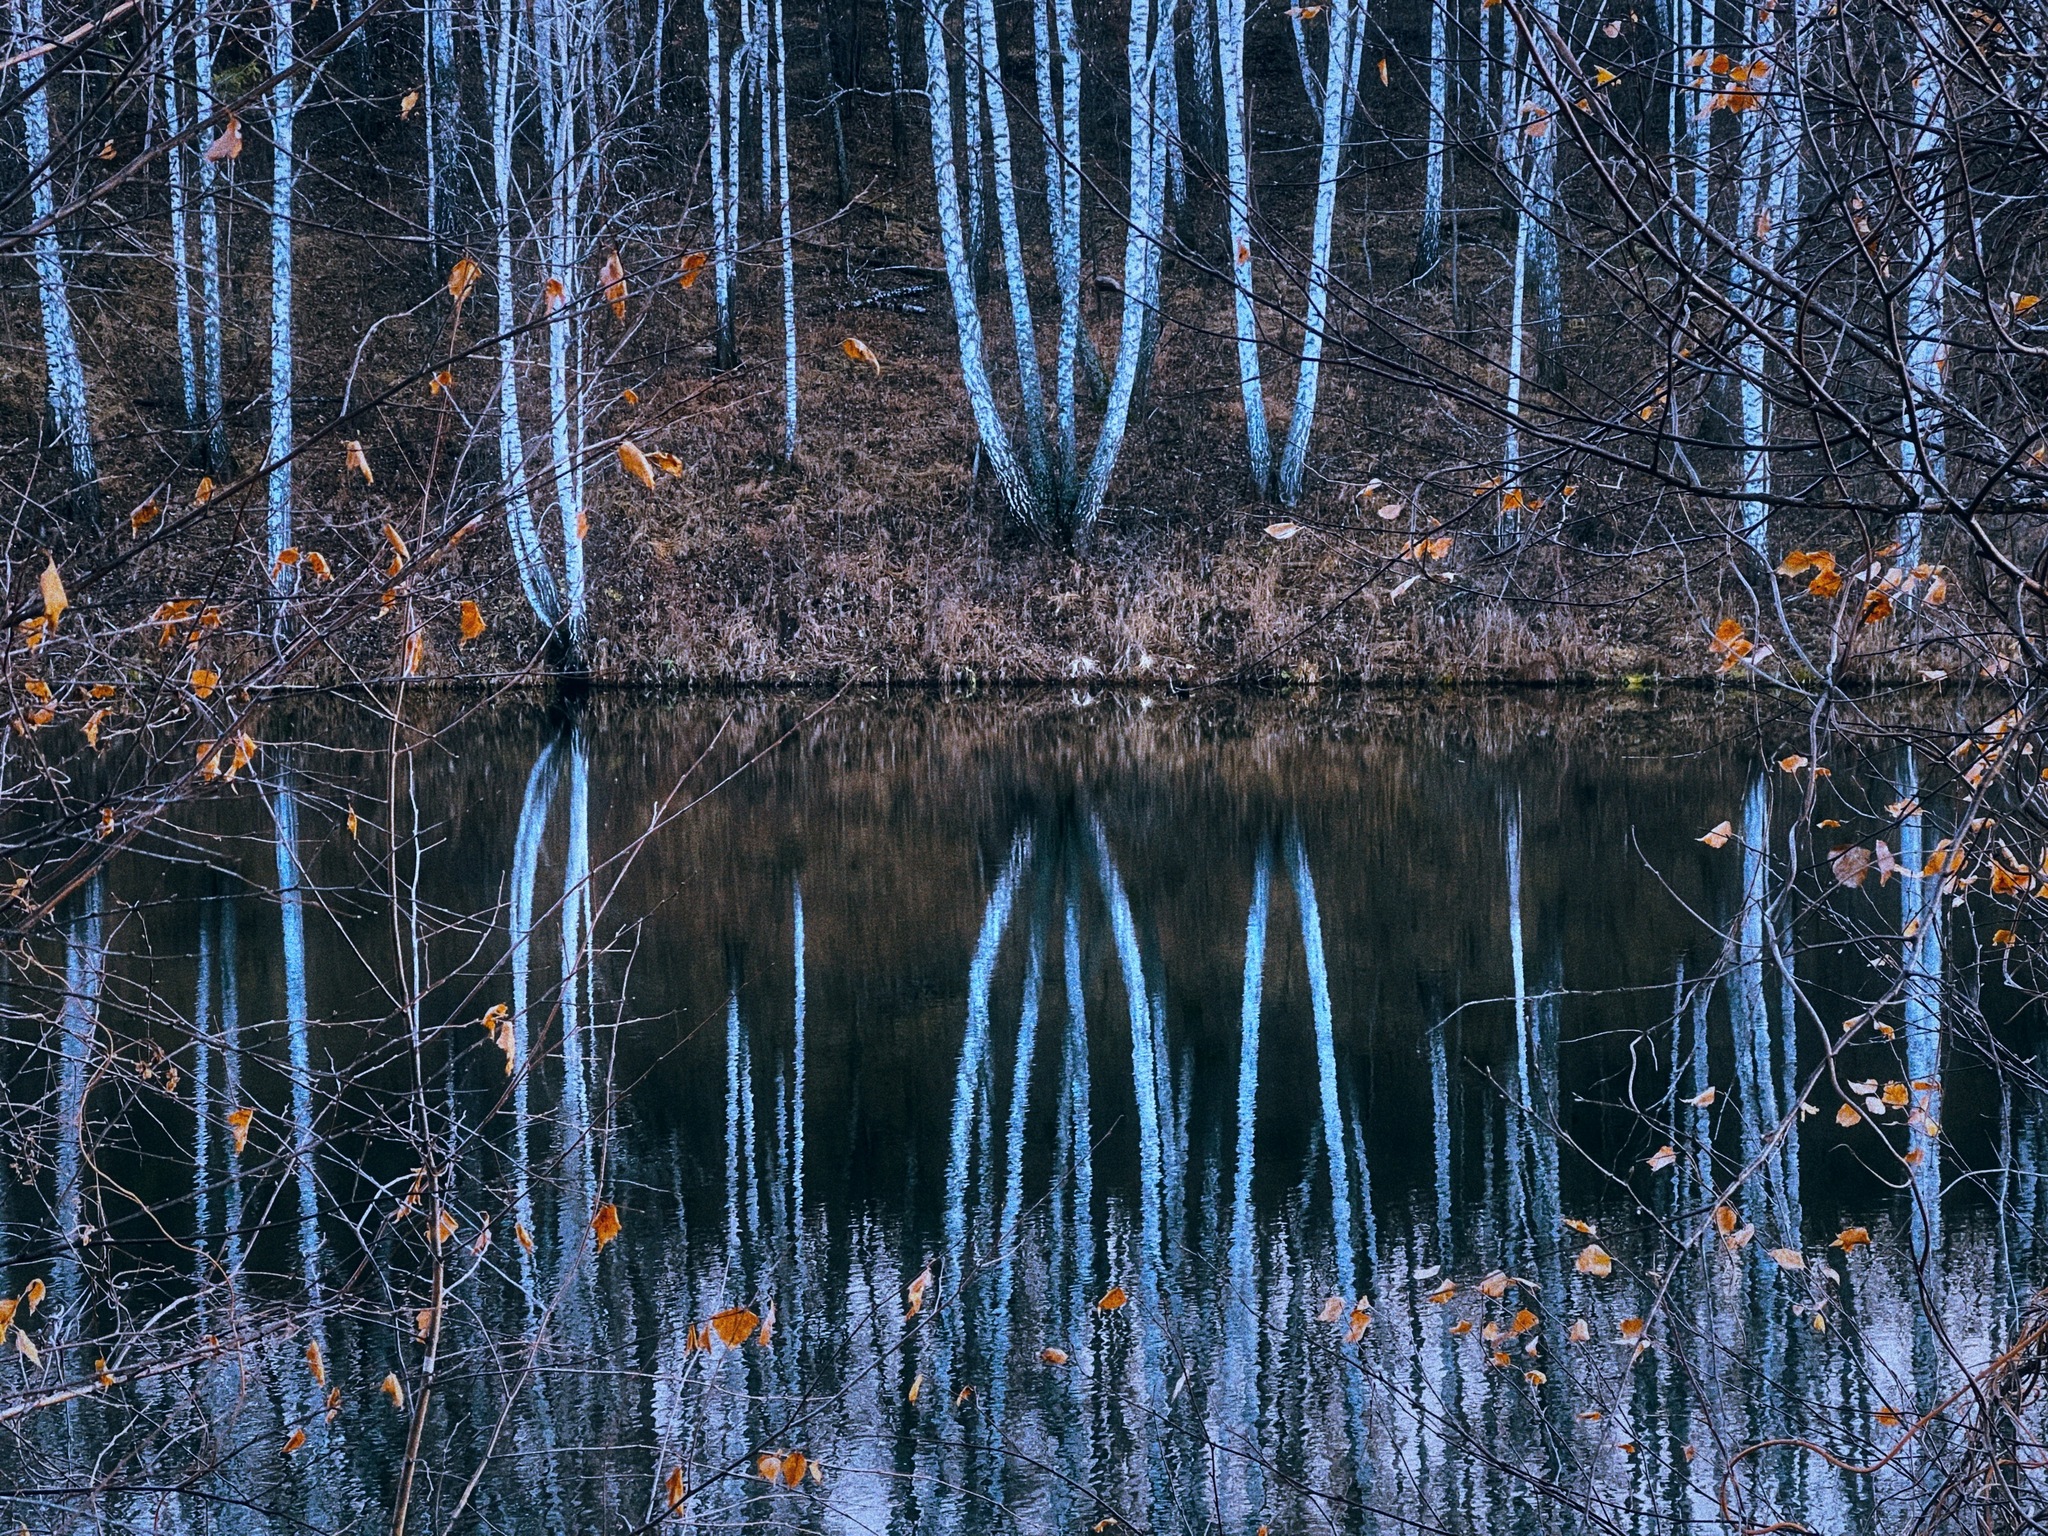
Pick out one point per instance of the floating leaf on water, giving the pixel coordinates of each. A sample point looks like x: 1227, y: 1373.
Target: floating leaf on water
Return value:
x: 1052, y: 1356
x: 1112, y: 1299
x: 1788, y: 1258
x: 1852, y: 1238
x: 1595, y: 1261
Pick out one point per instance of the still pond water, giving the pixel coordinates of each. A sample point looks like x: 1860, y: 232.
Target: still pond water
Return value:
x: 1279, y: 1019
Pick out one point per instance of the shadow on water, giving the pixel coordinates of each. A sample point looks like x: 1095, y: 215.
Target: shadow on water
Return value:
x: 1236, y: 1117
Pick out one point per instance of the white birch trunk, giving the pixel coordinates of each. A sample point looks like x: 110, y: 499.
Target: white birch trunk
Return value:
x: 175, y: 158
x: 283, y: 176
x: 212, y: 307
x: 788, y: 247
x: 1920, y: 447
x: 1336, y: 94
x: 1230, y: 32
x: 529, y: 553
x: 65, y: 368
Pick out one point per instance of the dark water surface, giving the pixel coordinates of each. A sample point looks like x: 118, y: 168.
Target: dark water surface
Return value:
x: 1276, y: 1016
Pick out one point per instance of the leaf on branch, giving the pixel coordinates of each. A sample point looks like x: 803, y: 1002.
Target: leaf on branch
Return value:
x: 408, y: 104
x: 239, y: 1122
x: 144, y: 515
x: 55, y: 599
x: 296, y: 1439
x: 675, y: 1490
x: 735, y: 1325
x: 204, y: 681
x: 315, y: 1364
x: 1595, y: 1261
x: 392, y: 1389
x: 1661, y: 1159
x: 462, y: 277
x: 1717, y: 836
x: 472, y: 620
x: 915, y: 1294
x: 360, y: 461
x: 604, y: 1226
x: 667, y: 463
x: 635, y: 463
x: 227, y: 144
x: 859, y: 351
x: 692, y: 265
x: 613, y: 276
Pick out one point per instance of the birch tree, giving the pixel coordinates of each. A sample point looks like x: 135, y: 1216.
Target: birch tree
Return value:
x: 283, y: 338
x: 64, y: 368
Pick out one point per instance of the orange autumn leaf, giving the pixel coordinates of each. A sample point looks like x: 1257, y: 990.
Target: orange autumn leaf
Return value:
x: 227, y: 144
x: 613, y: 276
x: 204, y: 681
x: 55, y: 599
x: 794, y: 1465
x: 1852, y: 1238
x: 294, y: 1441
x: 860, y: 352
x: 1112, y: 1299
x: 692, y: 265
x: 604, y: 1226
x: 635, y: 463
x: 472, y: 620
x: 674, y: 1489
x: 1595, y: 1261
x: 359, y: 461
x: 462, y: 277
x: 144, y: 515
x: 239, y: 1122
x: 735, y: 1325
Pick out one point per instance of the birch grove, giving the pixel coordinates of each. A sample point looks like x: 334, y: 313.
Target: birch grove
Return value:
x: 1739, y: 274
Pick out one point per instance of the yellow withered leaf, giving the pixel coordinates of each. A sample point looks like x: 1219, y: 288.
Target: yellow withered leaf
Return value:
x: 227, y: 144
x: 604, y: 1226
x: 613, y: 276
x: 462, y: 277
x: 1788, y: 1258
x: 1383, y: 71
x: 735, y: 1325
x: 55, y: 598
x: 634, y: 463
x: 8, y: 1304
x: 25, y: 1347
x: 524, y: 1237
x: 674, y: 1489
x: 1495, y: 1285
x: 100, y: 1372
x: 1661, y: 1159
x: 1053, y: 1356
x: 1579, y: 1333
x: 667, y: 463
x: 315, y: 1364
x: 1112, y: 1299
x: 1355, y: 1329
x: 294, y: 1441
x: 769, y: 1465
x: 1444, y: 1292
x: 408, y: 104
x: 1725, y: 1218
x: 1332, y: 1309
x: 1847, y: 1116
x: 33, y: 1294
x: 204, y: 681
x: 317, y: 564
x: 915, y: 1294
x: 392, y: 1388
x: 1896, y: 1095
x: 92, y: 727
x: 1717, y: 836
x: 1852, y: 1238
x: 447, y: 1226
x: 359, y: 461
x: 202, y: 493
x: 2023, y: 302
x: 144, y: 515
x: 1282, y: 531
x: 794, y: 1465
x: 1583, y: 1228
x: 1604, y: 77
x: 1595, y: 1261
x: 422, y: 1323
x: 1632, y: 1327
x: 1704, y: 1098
x: 399, y: 553
x: 692, y: 265
x: 472, y: 620
x: 860, y: 352
x: 239, y: 1122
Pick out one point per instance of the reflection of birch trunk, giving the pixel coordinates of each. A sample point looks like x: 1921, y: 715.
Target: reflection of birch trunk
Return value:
x: 78, y: 1026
